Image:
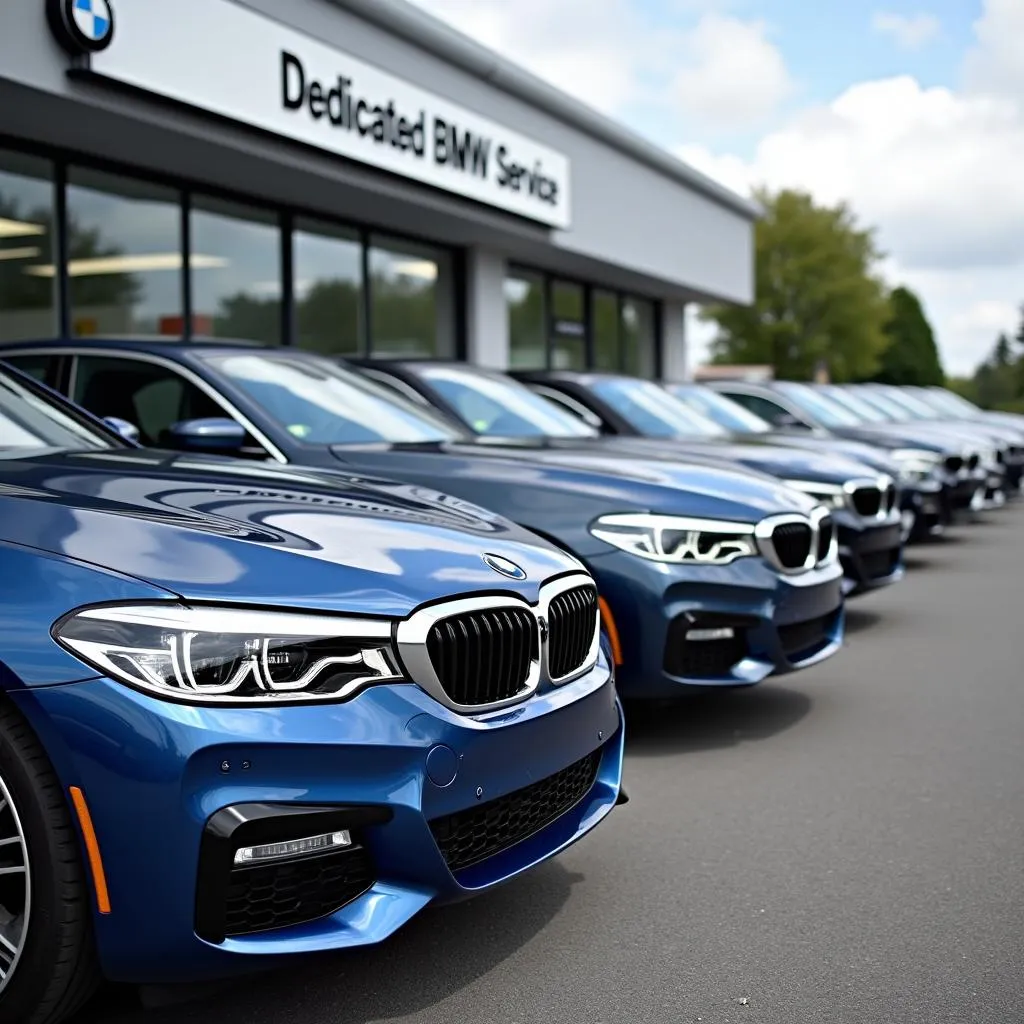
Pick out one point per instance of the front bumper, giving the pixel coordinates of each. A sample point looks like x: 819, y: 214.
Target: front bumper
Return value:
x: 871, y: 553
x: 921, y: 510
x: 156, y: 775
x: 779, y: 623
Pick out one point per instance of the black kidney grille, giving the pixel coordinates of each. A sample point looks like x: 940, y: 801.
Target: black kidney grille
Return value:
x: 890, y: 497
x: 954, y: 463
x: 867, y: 501
x: 471, y: 836
x: 279, y: 895
x: 792, y: 542
x: 572, y: 622
x: 483, y: 657
x: 826, y: 528
x: 972, y: 461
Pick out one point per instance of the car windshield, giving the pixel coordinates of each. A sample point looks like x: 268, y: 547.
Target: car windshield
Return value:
x: 915, y: 408
x: 854, y: 404
x: 953, y: 403
x: 321, y: 403
x: 726, y: 413
x: 651, y: 410
x: 827, y: 412
x: 877, y: 400
x: 30, y: 421
x: 494, y: 405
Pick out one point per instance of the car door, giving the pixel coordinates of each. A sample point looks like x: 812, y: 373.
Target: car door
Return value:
x: 150, y: 394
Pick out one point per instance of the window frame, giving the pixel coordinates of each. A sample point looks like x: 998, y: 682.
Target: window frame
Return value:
x: 548, y: 280
x: 285, y: 217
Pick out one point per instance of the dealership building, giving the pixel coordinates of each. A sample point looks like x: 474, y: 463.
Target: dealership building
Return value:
x: 348, y: 176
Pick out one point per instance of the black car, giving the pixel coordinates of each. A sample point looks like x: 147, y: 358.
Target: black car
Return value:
x: 643, y: 418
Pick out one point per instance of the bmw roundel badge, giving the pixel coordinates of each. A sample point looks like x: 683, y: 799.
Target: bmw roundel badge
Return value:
x: 81, y: 26
x: 505, y: 567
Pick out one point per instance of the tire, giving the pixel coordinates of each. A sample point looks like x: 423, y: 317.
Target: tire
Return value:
x: 56, y: 970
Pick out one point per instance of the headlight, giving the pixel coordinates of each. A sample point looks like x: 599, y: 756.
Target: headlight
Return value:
x: 210, y: 655
x: 915, y: 463
x: 676, y: 539
x: 829, y: 495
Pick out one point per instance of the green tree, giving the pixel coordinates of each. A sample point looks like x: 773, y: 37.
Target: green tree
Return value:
x: 817, y: 299
x: 996, y: 379
x: 911, y: 355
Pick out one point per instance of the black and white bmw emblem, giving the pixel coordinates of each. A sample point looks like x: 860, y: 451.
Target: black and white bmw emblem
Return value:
x: 81, y: 26
x: 505, y: 567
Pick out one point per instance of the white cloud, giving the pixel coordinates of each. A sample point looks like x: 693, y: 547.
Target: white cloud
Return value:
x: 732, y: 74
x: 702, y: 63
x: 910, y: 31
x: 936, y: 169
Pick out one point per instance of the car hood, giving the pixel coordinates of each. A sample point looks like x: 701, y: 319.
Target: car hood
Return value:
x: 860, y: 451
x: 901, y: 435
x: 210, y: 529
x: 620, y: 478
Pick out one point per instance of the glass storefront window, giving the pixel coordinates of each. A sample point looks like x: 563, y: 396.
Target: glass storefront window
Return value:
x: 605, y: 320
x: 235, y: 268
x: 638, y: 337
x: 527, y: 321
x: 28, y: 306
x: 328, y: 289
x: 124, y: 256
x: 412, y: 300
x: 568, y: 327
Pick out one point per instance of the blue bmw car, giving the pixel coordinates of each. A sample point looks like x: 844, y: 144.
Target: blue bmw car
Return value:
x: 248, y: 712
x: 708, y: 575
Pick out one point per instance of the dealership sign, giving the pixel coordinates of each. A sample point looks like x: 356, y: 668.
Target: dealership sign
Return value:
x: 227, y: 59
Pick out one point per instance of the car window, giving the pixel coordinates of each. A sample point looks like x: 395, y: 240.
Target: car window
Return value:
x: 766, y: 409
x: 493, y: 405
x: 30, y: 421
x: 39, y: 365
x: 151, y: 396
x: 320, y: 402
x: 651, y: 410
x: 570, y: 405
x: 854, y: 404
x: 725, y: 412
x: 815, y: 404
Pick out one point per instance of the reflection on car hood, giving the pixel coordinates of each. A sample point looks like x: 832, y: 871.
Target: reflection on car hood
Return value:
x: 621, y: 477
x: 212, y: 529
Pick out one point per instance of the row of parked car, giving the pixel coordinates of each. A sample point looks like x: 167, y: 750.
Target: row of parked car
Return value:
x: 292, y: 647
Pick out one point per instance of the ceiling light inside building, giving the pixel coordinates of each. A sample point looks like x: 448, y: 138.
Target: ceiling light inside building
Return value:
x: 19, y: 228
x: 130, y: 264
x: 24, y: 253
x: 424, y: 269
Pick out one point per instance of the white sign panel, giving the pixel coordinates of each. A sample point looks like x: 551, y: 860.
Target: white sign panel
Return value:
x: 220, y: 56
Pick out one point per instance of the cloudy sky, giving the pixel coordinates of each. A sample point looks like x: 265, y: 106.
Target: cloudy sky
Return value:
x: 913, y: 110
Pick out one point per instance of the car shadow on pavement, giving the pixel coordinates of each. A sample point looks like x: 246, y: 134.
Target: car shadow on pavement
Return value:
x: 438, y: 953
x: 710, y: 721
x: 860, y: 619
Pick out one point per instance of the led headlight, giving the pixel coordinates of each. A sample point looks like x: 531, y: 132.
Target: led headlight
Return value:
x: 830, y: 495
x: 676, y: 539
x: 915, y: 463
x: 215, y: 655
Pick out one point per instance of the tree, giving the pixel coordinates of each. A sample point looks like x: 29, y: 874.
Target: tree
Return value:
x: 911, y: 355
x: 817, y: 296
x: 995, y: 380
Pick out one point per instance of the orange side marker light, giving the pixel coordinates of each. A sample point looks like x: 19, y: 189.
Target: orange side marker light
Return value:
x: 92, y: 849
x: 611, y: 629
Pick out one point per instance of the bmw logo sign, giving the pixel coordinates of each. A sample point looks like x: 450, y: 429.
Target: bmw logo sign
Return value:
x: 505, y: 567
x: 81, y: 26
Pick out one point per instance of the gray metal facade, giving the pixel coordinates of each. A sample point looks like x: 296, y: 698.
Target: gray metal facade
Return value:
x: 641, y: 221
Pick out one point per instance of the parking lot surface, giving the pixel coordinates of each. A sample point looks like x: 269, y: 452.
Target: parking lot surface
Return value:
x: 845, y: 845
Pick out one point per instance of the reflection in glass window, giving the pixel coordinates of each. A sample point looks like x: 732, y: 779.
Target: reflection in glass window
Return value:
x: 605, y: 320
x: 124, y: 256
x: 638, y: 337
x: 320, y: 402
x: 652, y: 411
x: 494, y: 405
x: 236, y: 272
x: 412, y: 300
x: 28, y: 307
x: 527, y: 325
x: 30, y: 420
x: 569, y: 330
x: 328, y: 289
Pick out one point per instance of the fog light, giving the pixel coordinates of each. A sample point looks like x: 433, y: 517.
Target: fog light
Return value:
x: 295, y: 848
x: 722, y: 633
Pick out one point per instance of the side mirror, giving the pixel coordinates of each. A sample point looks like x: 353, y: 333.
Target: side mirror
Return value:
x: 218, y: 435
x: 127, y: 430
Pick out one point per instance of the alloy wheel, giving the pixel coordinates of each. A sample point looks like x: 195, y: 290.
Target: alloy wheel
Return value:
x: 15, y: 887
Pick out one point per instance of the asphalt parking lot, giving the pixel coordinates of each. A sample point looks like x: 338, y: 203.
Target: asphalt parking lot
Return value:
x: 846, y: 845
